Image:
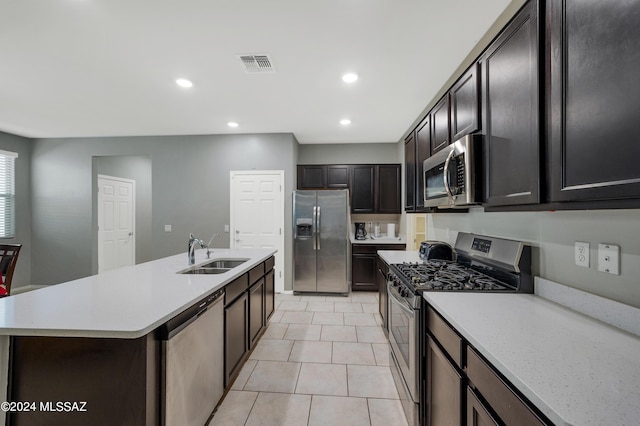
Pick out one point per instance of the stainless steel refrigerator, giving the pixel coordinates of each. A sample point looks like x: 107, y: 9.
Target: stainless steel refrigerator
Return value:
x: 321, y: 244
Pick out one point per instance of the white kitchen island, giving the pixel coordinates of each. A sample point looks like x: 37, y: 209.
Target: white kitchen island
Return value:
x: 117, y: 309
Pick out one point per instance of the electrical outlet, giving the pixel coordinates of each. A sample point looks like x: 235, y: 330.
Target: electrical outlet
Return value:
x: 167, y: 228
x: 226, y: 228
x: 582, y: 254
x: 609, y: 259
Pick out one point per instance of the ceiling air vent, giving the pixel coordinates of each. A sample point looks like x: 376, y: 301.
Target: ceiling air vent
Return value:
x: 257, y: 64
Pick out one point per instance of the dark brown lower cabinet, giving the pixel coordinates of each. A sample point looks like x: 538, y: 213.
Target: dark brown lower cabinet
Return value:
x: 503, y: 400
x: 113, y: 381
x: 364, y: 271
x: 256, y: 311
x: 381, y: 280
x: 477, y: 413
x: 454, y: 373
x: 444, y: 388
x: 269, y: 295
x: 236, y: 338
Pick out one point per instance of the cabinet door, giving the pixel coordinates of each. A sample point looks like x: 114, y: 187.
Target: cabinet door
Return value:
x: 410, y: 173
x: 423, y: 151
x: 269, y: 294
x: 362, y: 189
x: 256, y: 311
x: 477, y: 413
x: 443, y: 404
x: 312, y: 177
x: 337, y: 176
x: 363, y: 270
x: 388, y: 188
x: 510, y: 113
x: 381, y: 281
x: 595, y: 99
x: 440, y: 136
x: 235, y: 336
x: 464, y: 104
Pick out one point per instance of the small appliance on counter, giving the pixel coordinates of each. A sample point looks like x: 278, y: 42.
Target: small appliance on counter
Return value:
x: 435, y: 250
x: 361, y: 232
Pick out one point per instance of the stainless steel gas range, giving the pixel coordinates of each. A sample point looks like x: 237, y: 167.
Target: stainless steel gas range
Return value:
x: 482, y: 264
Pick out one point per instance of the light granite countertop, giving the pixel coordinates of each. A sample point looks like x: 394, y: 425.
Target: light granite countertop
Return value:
x: 122, y: 303
x: 574, y: 368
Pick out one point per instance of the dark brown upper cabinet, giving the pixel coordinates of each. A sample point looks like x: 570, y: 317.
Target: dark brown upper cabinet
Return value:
x: 322, y: 176
x: 312, y: 177
x: 362, y: 189
x: 465, y: 104
x: 375, y: 188
x: 594, y: 98
x: 423, y: 151
x: 338, y: 176
x: 388, y: 188
x: 441, y: 130
x: 410, y: 173
x: 511, y: 124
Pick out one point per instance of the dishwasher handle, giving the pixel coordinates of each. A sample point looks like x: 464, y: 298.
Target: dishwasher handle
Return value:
x: 178, y: 323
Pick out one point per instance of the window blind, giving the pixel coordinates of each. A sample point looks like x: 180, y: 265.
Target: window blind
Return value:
x: 7, y: 194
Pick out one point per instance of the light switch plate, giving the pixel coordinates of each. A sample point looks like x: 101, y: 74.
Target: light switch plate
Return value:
x: 609, y: 259
x: 167, y: 228
x: 582, y: 254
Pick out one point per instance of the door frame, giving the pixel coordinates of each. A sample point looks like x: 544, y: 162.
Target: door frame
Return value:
x: 133, y: 215
x: 280, y: 254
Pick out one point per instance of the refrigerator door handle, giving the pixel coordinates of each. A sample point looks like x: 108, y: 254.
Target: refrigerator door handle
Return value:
x: 318, y: 226
x: 314, y: 231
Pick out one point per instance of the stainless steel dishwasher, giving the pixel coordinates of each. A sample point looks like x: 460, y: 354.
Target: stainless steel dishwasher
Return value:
x: 193, y: 363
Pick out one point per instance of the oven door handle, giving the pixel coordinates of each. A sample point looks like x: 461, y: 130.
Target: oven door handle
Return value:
x: 445, y: 176
x: 400, y: 302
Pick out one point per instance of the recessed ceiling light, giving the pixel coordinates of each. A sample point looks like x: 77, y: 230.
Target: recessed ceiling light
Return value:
x: 183, y: 82
x: 345, y: 122
x: 350, y: 77
x: 232, y: 124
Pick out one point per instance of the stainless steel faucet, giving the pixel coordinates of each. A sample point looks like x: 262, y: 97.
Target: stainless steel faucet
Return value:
x: 209, y: 243
x: 191, y: 248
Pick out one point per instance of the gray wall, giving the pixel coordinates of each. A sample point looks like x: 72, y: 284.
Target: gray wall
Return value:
x: 190, y: 191
x: 351, y: 153
x: 554, y: 235
x: 22, y: 146
x: 137, y: 168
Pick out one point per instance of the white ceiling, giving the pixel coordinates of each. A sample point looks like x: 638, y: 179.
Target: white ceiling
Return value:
x: 75, y: 68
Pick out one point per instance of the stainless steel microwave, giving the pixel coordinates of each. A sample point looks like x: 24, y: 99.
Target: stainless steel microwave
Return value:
x: 453, y: 176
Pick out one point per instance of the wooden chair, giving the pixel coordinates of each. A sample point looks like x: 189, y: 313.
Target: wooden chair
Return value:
x: 8, y: 259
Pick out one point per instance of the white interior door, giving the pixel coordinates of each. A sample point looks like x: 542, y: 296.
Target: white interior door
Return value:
x: 257, y: 214
x: 116, y: 224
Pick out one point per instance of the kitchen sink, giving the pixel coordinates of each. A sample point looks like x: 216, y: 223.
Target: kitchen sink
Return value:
x: 224, y: 263
x: 202, y: 270
x: 218, y: 266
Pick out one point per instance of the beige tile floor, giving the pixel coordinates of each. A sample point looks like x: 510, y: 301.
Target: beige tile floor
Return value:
x: 322, y: 361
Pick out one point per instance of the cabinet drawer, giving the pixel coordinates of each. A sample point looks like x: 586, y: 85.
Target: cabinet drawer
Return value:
x: 235, y: 288
x: 445, y: 335
x: 256, y: 273
x: 269, y: 264
x: 364, y: 249
x: 511, y: 409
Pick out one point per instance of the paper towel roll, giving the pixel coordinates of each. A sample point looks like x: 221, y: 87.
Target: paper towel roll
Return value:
x: 391, y: 230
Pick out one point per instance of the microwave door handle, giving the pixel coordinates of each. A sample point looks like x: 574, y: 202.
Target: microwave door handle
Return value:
x: 446, y: 175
